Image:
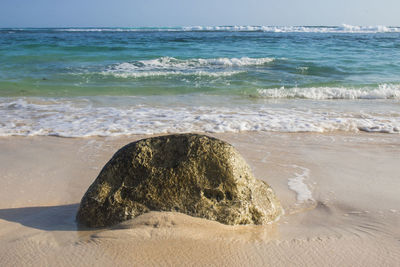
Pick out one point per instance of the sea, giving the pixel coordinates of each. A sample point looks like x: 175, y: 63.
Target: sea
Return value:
x: 79, y: 82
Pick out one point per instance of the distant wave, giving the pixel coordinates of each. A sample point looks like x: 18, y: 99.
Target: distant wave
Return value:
x: 310, y: 29
x: 165, y: 66
x: 384, y: 91
x: 345, y: 28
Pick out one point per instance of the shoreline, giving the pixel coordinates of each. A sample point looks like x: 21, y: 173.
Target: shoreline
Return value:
x: 348, y: 216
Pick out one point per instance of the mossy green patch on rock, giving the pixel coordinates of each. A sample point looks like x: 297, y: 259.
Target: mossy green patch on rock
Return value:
x: 189, y: 173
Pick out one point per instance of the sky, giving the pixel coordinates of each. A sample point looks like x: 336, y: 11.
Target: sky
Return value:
x: 139, y: 13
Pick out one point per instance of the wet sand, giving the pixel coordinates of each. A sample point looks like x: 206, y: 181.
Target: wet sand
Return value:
x: 340, y: 193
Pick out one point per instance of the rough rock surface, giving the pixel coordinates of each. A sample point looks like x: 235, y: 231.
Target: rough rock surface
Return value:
x: 189, y: 173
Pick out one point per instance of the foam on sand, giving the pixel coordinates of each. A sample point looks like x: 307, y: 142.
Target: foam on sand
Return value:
x: 85, y: 116
x: 297, y: 184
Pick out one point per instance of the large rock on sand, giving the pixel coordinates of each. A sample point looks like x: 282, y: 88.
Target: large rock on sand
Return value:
x: 189, y: 173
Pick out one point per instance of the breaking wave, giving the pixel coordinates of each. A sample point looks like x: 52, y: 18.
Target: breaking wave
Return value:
x: 165, y: 66
x: 174, y: 63
x: 384, y: 91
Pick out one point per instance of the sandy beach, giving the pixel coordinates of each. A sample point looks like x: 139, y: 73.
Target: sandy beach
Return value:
x: 339, y: 192
x: 308, y: 94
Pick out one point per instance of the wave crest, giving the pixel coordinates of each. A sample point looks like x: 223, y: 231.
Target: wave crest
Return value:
x: 148, y: 74
x: 171, y: 62
x: 166, y: 66
x: 384, y: 91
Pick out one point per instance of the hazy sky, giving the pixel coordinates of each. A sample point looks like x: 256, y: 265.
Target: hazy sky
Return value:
x: 130, y: 13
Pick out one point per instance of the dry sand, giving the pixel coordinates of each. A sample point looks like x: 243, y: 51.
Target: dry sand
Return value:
x: 340, y: 193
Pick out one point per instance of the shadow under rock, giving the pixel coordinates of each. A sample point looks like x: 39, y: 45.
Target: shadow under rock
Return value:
x: 50, y: 218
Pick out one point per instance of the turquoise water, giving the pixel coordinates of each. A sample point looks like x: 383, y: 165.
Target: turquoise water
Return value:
x: 116, y: 80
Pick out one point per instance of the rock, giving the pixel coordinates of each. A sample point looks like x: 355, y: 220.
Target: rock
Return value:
x: 189, y: 173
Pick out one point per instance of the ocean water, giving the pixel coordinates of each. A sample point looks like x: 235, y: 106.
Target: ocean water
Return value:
x: 115, y: 81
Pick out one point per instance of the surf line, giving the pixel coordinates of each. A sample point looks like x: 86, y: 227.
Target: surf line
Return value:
x: 298, y: 185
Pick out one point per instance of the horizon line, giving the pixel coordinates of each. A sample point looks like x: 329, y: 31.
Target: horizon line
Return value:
x: 181, y: 26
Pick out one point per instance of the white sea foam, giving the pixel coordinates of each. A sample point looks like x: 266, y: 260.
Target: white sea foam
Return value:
x: 345, y: 28
x: 298, y: 185
x: 384, y: 91
x: 109, y: 116
x: 165, y: 66
x: 182, y: 64
x: 144, y: 74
